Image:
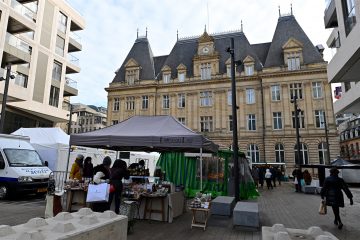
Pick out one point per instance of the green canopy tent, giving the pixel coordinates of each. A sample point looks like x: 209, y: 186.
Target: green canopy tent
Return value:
x: 187, y: 171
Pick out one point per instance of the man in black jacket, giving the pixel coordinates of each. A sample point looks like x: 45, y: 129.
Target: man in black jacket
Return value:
x: 333, y: 195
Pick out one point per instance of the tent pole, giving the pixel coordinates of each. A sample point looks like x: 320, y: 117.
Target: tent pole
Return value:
x: 67, y: 163
x: 201, y: 170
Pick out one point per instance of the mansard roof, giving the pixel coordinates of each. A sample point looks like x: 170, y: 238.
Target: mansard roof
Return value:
x: 287, y: 27
x: 267, y: 54
x: 142, y: 54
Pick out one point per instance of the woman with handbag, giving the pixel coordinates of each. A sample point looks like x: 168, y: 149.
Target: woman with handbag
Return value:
x: 333, y: 195
x: 117, y: 173
x: 102, y: 175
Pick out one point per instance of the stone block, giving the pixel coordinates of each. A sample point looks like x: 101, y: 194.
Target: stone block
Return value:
x: 279, y: 232
x: 222, y: 205
x: 85, y: 224
x: 246, y: 214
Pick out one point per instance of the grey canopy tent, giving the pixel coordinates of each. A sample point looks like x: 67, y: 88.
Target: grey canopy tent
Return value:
x: 147, y: 133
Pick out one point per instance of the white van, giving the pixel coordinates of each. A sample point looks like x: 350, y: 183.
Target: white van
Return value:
x: 21, y: 168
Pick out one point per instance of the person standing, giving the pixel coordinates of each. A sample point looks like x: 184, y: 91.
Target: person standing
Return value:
x: 102, y: 175
x: 117, y: 173
x: 307, y: 177
x: 261, y: 177
x: 77, y: 168
x: 268, y: 178
x: 273, y: 175
x: 88, y: 168
x: 297, y: 174
x: 279, y: 175
x: 333, y: 195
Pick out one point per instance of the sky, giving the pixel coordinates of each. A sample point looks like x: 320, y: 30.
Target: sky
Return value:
x: 111, y: 28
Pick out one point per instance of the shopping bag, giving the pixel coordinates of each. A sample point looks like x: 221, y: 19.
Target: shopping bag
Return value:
x: 322, y: 208
x: 98, y: 193
x: 302, y: 182
x: 295, y: 181
x: 112, y: 188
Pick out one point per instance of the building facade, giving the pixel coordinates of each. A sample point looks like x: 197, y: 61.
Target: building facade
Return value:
x: 193, y: 84
x: 88, y: 118
x: 350, y: 139
x: 38, y: 39
x: 343, y: 17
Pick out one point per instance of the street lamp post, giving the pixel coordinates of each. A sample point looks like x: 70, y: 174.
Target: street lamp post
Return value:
x: 327, y: 140
x: 3, y: 106
x: 68, y: 132
x: 234, y: 121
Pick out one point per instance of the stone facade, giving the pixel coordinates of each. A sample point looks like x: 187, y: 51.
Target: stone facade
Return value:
x: 202, y: 101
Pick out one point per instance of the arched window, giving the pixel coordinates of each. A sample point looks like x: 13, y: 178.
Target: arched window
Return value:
x: 279, y: 153
x: 253, y: 153
x: 304, y: 158
x: 322, y: 152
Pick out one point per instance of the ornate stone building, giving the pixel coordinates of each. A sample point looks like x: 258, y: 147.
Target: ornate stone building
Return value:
x: 193, y: 84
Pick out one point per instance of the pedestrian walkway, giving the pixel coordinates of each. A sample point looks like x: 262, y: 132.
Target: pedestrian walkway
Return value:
x: 280, y: 205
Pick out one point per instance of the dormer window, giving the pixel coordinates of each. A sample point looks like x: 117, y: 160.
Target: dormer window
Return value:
x: 130, y: 77
x: 249, y: 70
x: 181, y: 77
x: 166, y: 77
x: 205, y: 71
x: 293, y: 61
x: 228, y: 70
x: 293, y: 57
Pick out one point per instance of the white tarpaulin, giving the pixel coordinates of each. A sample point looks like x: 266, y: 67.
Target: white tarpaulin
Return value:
x: 52, y: 144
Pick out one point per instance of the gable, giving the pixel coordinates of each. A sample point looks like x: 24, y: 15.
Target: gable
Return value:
x: 292, y: 43
x: 131, y: 63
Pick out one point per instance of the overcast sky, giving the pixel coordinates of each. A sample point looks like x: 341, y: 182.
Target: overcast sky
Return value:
x: 111, y: 28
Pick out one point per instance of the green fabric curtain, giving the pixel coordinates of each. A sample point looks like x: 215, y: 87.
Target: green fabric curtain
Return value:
x: 181, y: 170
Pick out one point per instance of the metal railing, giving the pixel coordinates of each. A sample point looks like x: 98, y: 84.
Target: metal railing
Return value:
x: 72, y: 59
x: 70, y: 82
x: 18, y: 43
x: 23, y: 10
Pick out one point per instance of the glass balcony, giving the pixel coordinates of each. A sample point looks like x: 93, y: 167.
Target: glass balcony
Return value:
x: 70, y: 82
x: 59, y: 51
x: 72, y: 59
x: 327, y: 4
x: 23, y: 10
x: 18, y: 43
x: 75, y: 36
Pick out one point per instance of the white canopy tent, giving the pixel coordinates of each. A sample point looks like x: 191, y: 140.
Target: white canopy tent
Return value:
x: 52, y: 144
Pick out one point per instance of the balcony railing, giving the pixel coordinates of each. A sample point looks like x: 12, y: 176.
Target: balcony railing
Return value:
x: 59, y: 51
x: 23, y: 10
x: 74, y: 60
x: 70, y: 82
x: 75, y: 36
x: 18, y: 43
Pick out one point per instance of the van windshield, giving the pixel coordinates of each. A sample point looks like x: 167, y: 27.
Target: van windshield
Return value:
x: 23, y: 157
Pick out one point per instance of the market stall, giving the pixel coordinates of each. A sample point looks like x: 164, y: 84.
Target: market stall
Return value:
x: 152, y: 134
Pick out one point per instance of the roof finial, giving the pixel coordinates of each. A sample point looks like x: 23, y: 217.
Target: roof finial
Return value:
x: 291, y: 9
x: 137, y: 33
x: 242, y: 26
x: 177, y: 34
x: 146, y: 32
x: 279, y: 11
x: 205, y: 28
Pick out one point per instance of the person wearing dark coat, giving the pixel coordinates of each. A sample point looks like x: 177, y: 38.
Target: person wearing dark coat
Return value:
x: 88, y: 171
x: 261, y: 177
x: 102, y: 175
x: 333, y: 195
x: 273, y: 175
x: 117, y: 173
x: 298, y: 176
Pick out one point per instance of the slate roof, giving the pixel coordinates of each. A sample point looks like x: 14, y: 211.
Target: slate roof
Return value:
x: 142, y: 54
x: 265, y: 54
x: 286, y: 28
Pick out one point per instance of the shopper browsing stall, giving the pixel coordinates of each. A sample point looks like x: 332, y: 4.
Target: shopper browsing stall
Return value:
x: 77, y: 168
x: 117, y: 173
x: 102, y: 175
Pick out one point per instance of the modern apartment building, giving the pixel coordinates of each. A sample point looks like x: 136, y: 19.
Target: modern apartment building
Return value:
x: 344, y: 16
x: 38, y: 40
x: 193, y: 84
x: 89, y: 118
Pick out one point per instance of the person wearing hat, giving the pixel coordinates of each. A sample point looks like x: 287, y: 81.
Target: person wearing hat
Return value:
x: 77, y: 168
x: 333, y: 195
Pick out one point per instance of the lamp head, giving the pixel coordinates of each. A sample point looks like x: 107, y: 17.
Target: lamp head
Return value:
x: 12, y: 76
